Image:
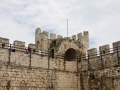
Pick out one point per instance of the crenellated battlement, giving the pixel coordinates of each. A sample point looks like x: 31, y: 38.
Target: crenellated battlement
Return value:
x: 17, y: 43
x: 45, y: 33
x: 92, y: 51
x: 4, y: 40
x: 59, y: 36
x: 33, y: 46
x: 106, y: 57
x: 105, y: 49
x: 43, y: 42
x: 81, y: 40
x: 53, y: 36
x: 73, y: 37
x: 94, y: 56
x: 59, y: 63
x: 85, y: 33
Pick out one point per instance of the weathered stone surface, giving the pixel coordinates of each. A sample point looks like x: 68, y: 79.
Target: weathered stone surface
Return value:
x: 59, y: 36
x: 51, y: 71
x: 52, y: 36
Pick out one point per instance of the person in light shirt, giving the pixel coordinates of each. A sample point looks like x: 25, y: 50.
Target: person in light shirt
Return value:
x: 41, y: 52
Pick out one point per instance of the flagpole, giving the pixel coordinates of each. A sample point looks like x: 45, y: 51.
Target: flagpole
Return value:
x: 67, y: 27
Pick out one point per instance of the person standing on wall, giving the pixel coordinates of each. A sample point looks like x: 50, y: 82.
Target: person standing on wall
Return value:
x: 29, y: 50
x: 41, y: 52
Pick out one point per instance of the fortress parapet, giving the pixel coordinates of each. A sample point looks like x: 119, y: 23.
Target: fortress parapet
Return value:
x: 85, y: 33
x: 44, y: 35
x: 116, y: 48
x: 92, y: 52
x: 52, y: 36
x: 32, y: 46
x: 105, y: 49
x: 116, y: 45
x: 43, y: 42
x: 60, y: 57
x: 59, y: 36
x: 4, y: 42
x: 38, y: 31
x: 74, y: 37
x: 67, y: 38
x: 106, y: 57
x: 79, y: 35
x: 19, y: 44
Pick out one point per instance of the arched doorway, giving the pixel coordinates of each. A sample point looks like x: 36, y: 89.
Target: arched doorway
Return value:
x: 70, y: 54
x: 52, y: 53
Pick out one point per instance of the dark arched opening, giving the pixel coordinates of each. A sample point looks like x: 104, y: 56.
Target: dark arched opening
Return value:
x: 70, y: 54
x: 52, y: 53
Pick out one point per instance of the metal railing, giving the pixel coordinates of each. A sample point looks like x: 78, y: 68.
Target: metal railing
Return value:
x: 98, y: 57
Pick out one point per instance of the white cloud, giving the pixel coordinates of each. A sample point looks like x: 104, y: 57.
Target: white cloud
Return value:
x: 20, y: 18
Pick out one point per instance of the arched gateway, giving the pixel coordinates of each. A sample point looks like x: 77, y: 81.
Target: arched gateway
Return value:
x: 69, y: 50
x: 70, y: 54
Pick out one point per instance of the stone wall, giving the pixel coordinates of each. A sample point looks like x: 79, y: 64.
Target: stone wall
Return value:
x: 97, y: 71
x: 100, y: 70
x: 20, y: 71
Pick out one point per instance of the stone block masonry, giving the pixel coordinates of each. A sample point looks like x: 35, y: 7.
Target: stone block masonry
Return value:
x: 62, y: 65
x: 19, y: 74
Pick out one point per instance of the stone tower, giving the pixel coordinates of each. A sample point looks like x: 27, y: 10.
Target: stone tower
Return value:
x: 71, y: 47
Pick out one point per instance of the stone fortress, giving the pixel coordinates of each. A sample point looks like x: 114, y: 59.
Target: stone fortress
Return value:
x: 66, y: 64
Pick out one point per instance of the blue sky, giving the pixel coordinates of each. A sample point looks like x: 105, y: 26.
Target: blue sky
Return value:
x: 20, y: 18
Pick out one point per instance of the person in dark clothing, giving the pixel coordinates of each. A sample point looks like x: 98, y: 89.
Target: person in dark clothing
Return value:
x: 29, y: 50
